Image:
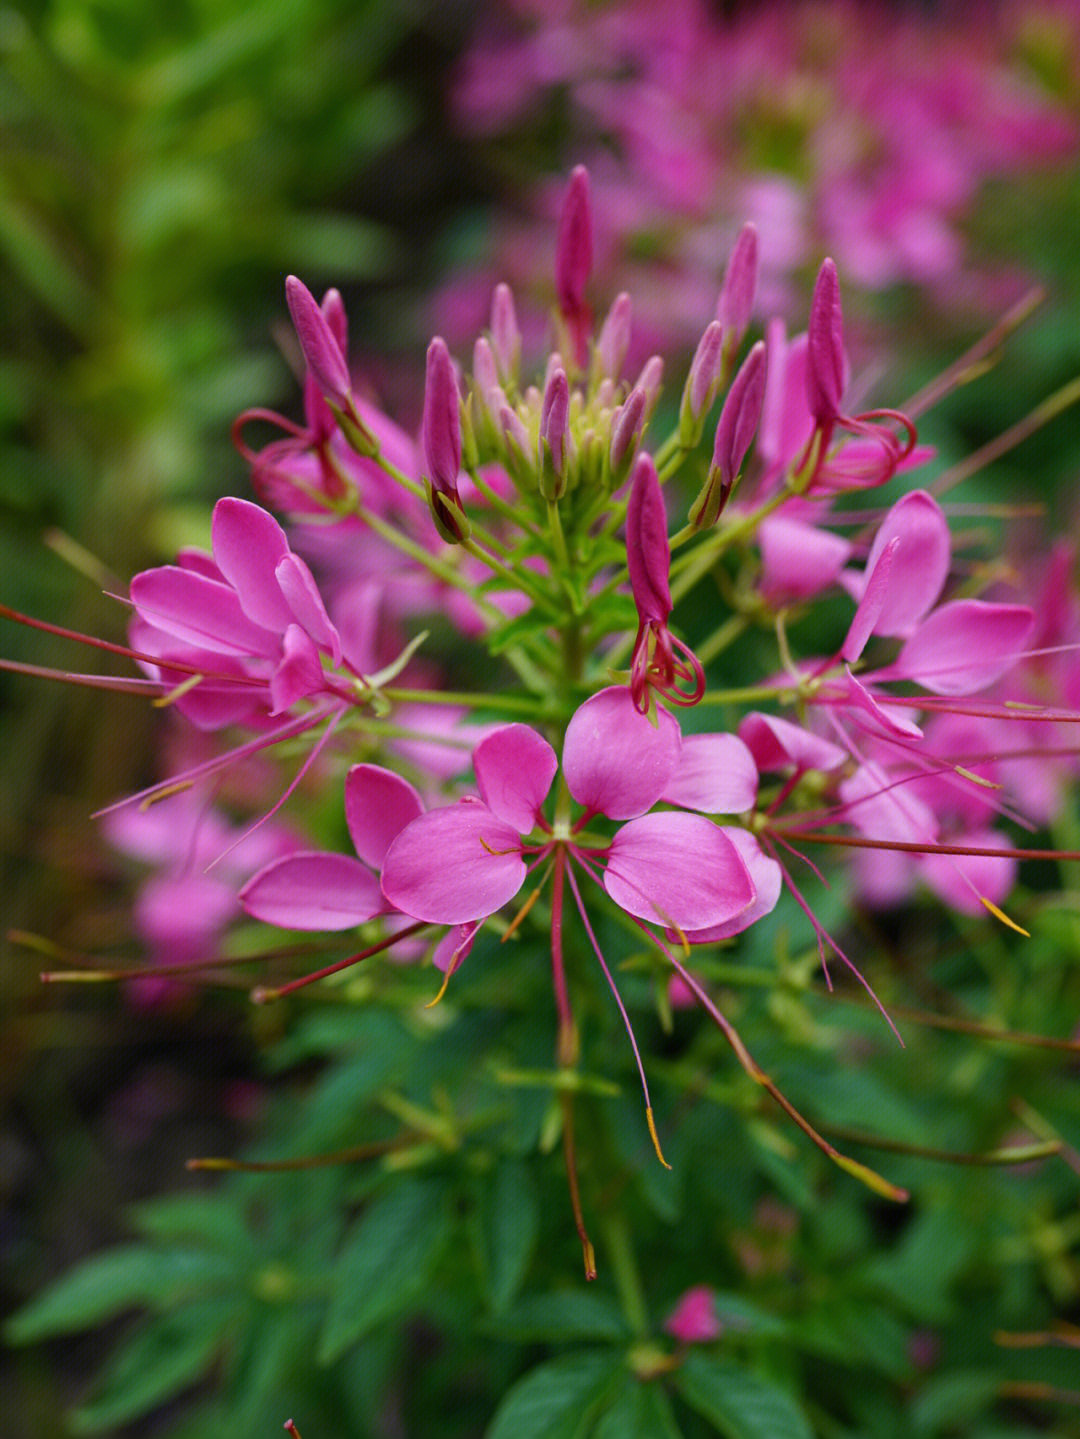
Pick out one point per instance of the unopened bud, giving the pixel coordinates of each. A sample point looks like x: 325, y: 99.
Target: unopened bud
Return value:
x: 441, y: 424
x: 333, y: 308
x: 485, y: 375
x: 554, y: 435
x: 627, y: 428
x: 738, y: 424
x: 614, y: 340
x: 651, y: 381
x: 448, y: 514
x: 648, y: 554
x: 574, y: 245
x: 320, y: 347
x: 737, y: 291
x: 505, y: 335
x: 825, y: 348
x: 701, y: 385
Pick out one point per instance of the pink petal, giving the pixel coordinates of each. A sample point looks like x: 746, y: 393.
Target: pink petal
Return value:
x: 798, y: 560
x: 313, y: 891
x: 248, y: 545
x: 892, y: 721
x: 716, y: 774
x: 455, y: 946
x: 677, y: 869
x: 301, y: 593
x: 378, y: 806
x: 920, y: 563
x: 881, y: 808
x: 765, y: 875
x: 870, y: 606
x: 454, y: 864
x: 514, y: 769
x: 299, y: 673
x: 774, y: 743
x: 615, y: 761
x: 200, y: 611
x: 959, y: 879
x: 964, y: 646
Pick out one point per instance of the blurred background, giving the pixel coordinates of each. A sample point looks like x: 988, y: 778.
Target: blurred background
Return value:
x: 163, y: 169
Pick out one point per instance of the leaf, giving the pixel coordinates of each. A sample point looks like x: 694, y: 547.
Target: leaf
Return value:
x: 739, y: 1316
x: 385, y: 1263
x: 164, y: 1358
x: 573, y: 1314
x: 641, y: 1411
x: 111, y: 1283
x: 952, y: 1400
x: 212, y: 1218
x: 551, y: 1401
x: 740, y: 1404
x: 510, y: 1220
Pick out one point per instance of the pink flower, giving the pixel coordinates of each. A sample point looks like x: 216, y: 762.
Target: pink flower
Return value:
x: 693, y: 1320
x: 248, y: 620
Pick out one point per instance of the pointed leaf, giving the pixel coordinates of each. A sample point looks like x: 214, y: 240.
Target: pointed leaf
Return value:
x: 385, y: 1263
x: 740, y: 1404
x: 550, y: 1401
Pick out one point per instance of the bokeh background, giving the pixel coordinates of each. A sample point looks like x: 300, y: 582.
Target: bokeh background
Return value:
x: 161, y: 170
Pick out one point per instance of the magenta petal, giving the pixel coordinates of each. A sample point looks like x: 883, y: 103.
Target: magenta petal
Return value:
x: 248, y: 544
x: 775, y: 743
x: 298, y: 588
x: 200, y: 611
x: 677, y: 869
x: 455, y: 946
x: 767, y: 879
x: 313, y: 891
x: 959, y: 879
x: 299, y: 672
x: 716, y: 774
x: 378, y: 806
x: 920, y: 565
x: 514, y: 769
x: 964, y: 646
x: 454, y: 864
x: 870, y: 606
x: 615, y: 761
x: 798, y: 560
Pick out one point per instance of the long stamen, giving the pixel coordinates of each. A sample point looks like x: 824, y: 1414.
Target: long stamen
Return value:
x: 261, y: 995
x: 625, y: 1018
x: 858, y: 1171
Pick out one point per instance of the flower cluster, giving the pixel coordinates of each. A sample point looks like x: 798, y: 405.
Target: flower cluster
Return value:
x: 852, y: 129
x: 612, y: 559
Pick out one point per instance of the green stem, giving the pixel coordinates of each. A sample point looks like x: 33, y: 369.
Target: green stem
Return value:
x: 624, y: 1268
x: 721, y: 637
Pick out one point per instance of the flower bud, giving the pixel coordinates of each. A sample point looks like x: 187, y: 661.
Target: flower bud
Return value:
x: 701, y: 385
x: 739, y: 420
x: 322, y: 352
x: 333, y: 308
x: 627, y: 427
x: 485, y: 375
x: 574, y: 245
x: 648, y: 554
x: 614, y: 340
x: 737, y: 291
x: 505, y: 335
x: 651, y: 382
x: 554, y: 435
x: 441, y: 425
x: 825, y: 348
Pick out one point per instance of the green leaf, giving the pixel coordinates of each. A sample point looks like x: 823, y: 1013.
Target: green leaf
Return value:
x: 120, y: 1279
x: 739, y: 1316
x: 740, y: 1405
x: 212, y: 1218
x: 641, y: 1411
x: 952, y: 1400
x: 510, y: 1221
x: 166, y: 1357
x: 573, y: 1314
x: 553, y: 1401
x: 384, y: 1264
